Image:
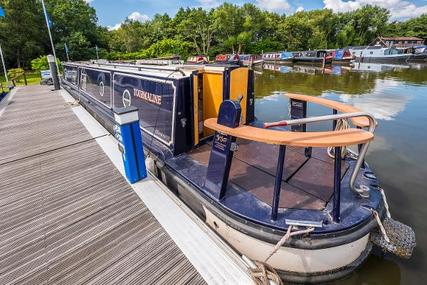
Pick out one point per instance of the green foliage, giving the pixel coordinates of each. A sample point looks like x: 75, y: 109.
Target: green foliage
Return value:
x: 228, y: 28
x: 41, y: 63
x: 15, y: 73
x: 163, y: 48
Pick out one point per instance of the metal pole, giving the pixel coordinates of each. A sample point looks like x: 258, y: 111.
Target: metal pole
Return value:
x: 66, y: 52
x: 337, y: 185
x: 4, y: 67
x: 278, y: 182
x: 50, y: 34
x: 53, y: 71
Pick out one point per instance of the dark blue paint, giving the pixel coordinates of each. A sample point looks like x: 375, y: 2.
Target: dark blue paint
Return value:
x: 155, y: 119
x: 278, y: 182
x: 337, y: 185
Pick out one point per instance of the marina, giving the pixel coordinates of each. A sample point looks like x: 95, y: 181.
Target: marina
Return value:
x: 213, y: 142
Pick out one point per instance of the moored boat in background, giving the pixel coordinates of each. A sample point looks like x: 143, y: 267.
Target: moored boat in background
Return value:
x: 198, y: 59
x: 379, y: 54
x: 251, y: 60
x: 313, y: 57
x: 278, y: 57
x: 342, y: 56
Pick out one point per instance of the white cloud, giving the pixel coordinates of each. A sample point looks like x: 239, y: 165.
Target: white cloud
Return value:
x: 399, y: 9
x: 88, y: 1
x: 208, y: 4
x: 136, y: 16
x: 115, y: 27
x: 300, y: 9
x: 279, y: 6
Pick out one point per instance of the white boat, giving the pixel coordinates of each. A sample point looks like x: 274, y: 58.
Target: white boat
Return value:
x: 380, y: 54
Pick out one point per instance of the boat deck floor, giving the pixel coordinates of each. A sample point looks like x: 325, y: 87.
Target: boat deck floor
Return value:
x: 307, y: 183
x: 66, y: 213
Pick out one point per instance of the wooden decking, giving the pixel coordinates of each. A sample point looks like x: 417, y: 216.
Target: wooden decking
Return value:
x: 66, y: 214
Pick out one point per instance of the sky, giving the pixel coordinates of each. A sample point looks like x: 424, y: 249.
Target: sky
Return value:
x: 112, y: 13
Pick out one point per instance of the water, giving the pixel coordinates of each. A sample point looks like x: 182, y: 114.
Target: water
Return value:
x: 397, y: 96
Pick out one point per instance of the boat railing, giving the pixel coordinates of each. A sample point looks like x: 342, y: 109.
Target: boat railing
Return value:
x: 335, y: 138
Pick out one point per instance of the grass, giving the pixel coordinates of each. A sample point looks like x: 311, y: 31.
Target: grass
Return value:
x: 33, y: 78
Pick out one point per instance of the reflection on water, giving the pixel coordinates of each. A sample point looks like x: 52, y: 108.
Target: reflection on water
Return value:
x: 397, y: 96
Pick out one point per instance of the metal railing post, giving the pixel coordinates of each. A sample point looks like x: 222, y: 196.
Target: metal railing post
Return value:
x: 278, y: 182
x: 337, y: 185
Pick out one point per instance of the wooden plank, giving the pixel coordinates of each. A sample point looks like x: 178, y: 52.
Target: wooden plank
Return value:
x: 66, y: 213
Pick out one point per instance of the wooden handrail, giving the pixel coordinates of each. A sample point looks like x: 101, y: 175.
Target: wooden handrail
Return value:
x: 298, y: 139
x: 343, y: 108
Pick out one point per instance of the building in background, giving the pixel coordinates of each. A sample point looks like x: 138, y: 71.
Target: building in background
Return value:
x: 402, y: 42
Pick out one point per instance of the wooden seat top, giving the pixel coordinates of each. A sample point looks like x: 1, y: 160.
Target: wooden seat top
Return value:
x: 343, y: 108
x: 299, y: 139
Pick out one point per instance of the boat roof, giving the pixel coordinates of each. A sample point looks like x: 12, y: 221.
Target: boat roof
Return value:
x: 175, y: 71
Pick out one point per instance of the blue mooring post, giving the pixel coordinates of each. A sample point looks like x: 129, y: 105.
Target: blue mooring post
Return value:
x: 128, y: 133
x: 337, y: 185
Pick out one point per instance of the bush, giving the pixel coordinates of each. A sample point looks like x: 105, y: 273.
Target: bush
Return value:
x: 14, y: 73
x: 163, y: 48
x: 41, y: 63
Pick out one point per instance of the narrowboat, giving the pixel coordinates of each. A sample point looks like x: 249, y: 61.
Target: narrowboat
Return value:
x: 228, y: 59
x: 379, y: 54
x: 419, y: 54
x: 313, y: 57
x: 198, y: 59
x: 281, y: 195
x: 342, y: 56
x: 278, y: 57
x: 250, y: 60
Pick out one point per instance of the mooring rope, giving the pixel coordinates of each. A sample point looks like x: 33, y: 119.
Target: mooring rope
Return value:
x: 264, y: 274
x: 288, y: 234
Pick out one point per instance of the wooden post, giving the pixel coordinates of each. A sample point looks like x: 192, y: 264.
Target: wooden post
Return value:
x: 25, y: 79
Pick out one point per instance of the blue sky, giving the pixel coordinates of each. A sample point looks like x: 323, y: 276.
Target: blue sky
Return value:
x: 112, y: 12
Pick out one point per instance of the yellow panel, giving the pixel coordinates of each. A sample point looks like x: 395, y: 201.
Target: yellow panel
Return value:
x: 196, y: 108
x: 212, y: 96
x: 239, y: 87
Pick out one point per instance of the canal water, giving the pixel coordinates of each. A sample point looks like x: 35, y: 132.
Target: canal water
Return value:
x: 397, y: 96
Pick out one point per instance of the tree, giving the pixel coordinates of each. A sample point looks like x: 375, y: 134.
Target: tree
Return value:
x: 196, y: 26
x: 75, y: 24
x: 21, y: 31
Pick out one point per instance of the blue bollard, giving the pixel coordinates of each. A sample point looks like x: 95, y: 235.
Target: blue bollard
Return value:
x: 128, y: 133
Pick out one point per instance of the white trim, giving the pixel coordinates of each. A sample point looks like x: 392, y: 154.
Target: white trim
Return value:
x: 126, y: 118
x: 5, y: 102
x: 290, y: 259
x: 216, y: 262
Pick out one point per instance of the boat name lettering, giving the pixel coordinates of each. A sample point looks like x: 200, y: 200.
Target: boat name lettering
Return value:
x: 147, y: 96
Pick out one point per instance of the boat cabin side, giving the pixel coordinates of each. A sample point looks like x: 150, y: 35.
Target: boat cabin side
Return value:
x: 173, y: 101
